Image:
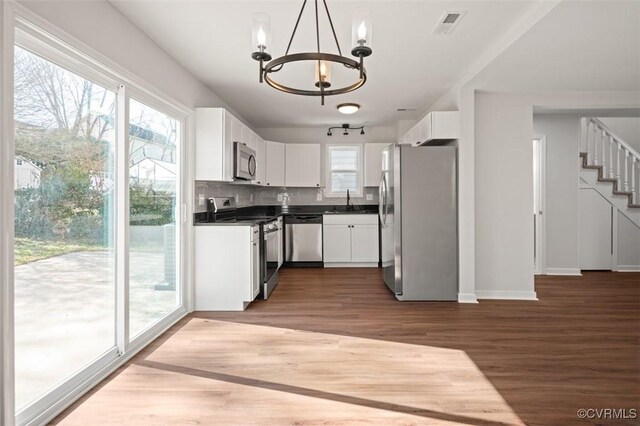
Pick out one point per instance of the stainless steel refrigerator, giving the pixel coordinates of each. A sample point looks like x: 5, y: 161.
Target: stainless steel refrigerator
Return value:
x: 418, y: 216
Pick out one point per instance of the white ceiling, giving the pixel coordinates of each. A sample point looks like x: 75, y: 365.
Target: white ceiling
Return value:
x: 580, y: 46
x: 409, y: 67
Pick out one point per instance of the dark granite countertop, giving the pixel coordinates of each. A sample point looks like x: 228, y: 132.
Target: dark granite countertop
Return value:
x: 266, y: 213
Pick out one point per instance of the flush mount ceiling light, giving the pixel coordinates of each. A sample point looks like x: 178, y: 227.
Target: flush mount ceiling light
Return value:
x: 345, y: 127
x: 348, y: 108
x: 361, y: 40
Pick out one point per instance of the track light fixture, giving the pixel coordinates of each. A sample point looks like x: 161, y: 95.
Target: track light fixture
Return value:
x: 346, y: 129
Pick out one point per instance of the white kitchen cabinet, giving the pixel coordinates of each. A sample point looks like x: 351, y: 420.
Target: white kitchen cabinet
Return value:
x: 336, y: 240
x: 437, y: 125
x: 275, y: 163
x: 373, y: 163
x: 215, y: 129
x: 364, y: 243
x: 350, y: 240
x: 255, y: 262
x: 302, y: 165
x: 227, y: 267
x: 261, y: 161
x: 216, y: 132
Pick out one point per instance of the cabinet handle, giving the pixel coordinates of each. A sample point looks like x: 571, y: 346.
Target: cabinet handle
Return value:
x: 317, y: 184
x: 268, y: 183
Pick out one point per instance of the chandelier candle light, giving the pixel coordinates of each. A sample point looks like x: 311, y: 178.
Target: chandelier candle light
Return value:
x: 361, y: 39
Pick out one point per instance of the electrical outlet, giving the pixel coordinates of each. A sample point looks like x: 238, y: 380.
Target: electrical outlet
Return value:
x: 369, y: 197
x: 201, y: 199
x: 237, y: 198
x: 251, y: 198
x: 319, y: 196
x: 280, y: 197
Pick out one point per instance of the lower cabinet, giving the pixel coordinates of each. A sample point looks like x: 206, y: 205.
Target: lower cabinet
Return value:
x: 350, y: 240
x: 336, y: 243
x: 227, y: 267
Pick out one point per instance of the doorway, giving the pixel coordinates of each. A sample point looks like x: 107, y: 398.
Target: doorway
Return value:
x: 539, y: 185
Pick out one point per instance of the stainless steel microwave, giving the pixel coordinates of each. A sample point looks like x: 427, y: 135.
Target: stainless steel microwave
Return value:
x: 244, y: 159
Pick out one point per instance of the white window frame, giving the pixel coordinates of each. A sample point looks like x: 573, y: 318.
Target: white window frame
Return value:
x: 25, y: 28
x: 359, y: 172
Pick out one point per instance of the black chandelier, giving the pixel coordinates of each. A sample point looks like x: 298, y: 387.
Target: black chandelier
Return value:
x: 361, y: 36
x: 346, y: 129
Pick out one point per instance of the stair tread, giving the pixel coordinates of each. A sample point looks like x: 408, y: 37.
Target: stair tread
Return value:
x: 627, y: 193
x: 607, y: 180
x: 634, y: 206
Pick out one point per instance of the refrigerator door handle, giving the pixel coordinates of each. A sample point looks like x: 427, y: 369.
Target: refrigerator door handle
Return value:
x: 382, y: 202
x: 381, y: 199
x: 386, y: 198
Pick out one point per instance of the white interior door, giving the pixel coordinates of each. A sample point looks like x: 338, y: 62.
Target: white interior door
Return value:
x: 595, y: 231
x: 539, y: 149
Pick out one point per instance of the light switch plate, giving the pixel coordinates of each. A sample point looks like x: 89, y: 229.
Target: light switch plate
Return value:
x: 280, y: 197
x: 237, y: 198
x: 319, y: 196
x: 369, y: 197
x: 201, y: 199
x: 251, y: 198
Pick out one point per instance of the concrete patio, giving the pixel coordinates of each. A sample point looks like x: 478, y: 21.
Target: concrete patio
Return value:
x: 65, y: 313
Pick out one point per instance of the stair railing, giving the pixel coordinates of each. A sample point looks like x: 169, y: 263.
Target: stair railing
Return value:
x: 620, y: 163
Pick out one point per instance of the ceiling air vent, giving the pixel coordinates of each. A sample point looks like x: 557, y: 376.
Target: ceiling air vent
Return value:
x: 449, y: 21
x: 406, y: 109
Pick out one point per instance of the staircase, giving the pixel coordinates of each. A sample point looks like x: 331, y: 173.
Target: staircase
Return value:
x: 615, y: 160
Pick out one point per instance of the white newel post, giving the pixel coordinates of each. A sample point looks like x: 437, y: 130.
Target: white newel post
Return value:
x: 595, y: 145
x: 610, y: 157
x: 584, y: 135
x: 604, y: 158
x: 633, y: 179
x: 618, y: 180
x: 625, y: 172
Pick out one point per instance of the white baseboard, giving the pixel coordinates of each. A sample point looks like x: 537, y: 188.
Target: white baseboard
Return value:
x: 562, y: 271
x: 628, y: 268
x: 351, y: 265
x: 467, y: 298
x: 506, y: 295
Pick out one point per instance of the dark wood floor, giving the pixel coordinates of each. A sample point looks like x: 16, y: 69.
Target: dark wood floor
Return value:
x: 332, y: 346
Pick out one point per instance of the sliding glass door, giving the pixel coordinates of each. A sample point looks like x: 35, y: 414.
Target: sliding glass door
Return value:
x: 154, y: 149
x: 64, y: 224
x: 98, y: 222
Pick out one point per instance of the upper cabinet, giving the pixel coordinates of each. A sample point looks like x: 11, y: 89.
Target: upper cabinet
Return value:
x: 216, y: 130
x: 435, y: 126
x: 302, y: 165
x: 274, y: 163
x: 261, y: 161
x: 373, y: 163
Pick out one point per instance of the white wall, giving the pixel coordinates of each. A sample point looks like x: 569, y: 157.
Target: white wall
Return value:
x: 102, y: 27
x: 504, y: 182
x: 562, y: 231
x: 628, y: 128
x: 628, y: 245
x: 503, y: 196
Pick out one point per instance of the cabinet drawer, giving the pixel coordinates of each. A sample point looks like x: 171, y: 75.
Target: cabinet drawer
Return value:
x: 350, y: 219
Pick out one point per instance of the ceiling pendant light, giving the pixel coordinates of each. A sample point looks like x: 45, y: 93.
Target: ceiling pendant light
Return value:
x: 348, y: 108
x: 361, y: 39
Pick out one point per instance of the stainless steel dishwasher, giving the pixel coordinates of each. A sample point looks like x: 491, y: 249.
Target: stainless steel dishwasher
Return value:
x: 303, y: 239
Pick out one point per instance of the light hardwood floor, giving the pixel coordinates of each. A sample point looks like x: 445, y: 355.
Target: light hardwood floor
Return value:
x: 333, y: 347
